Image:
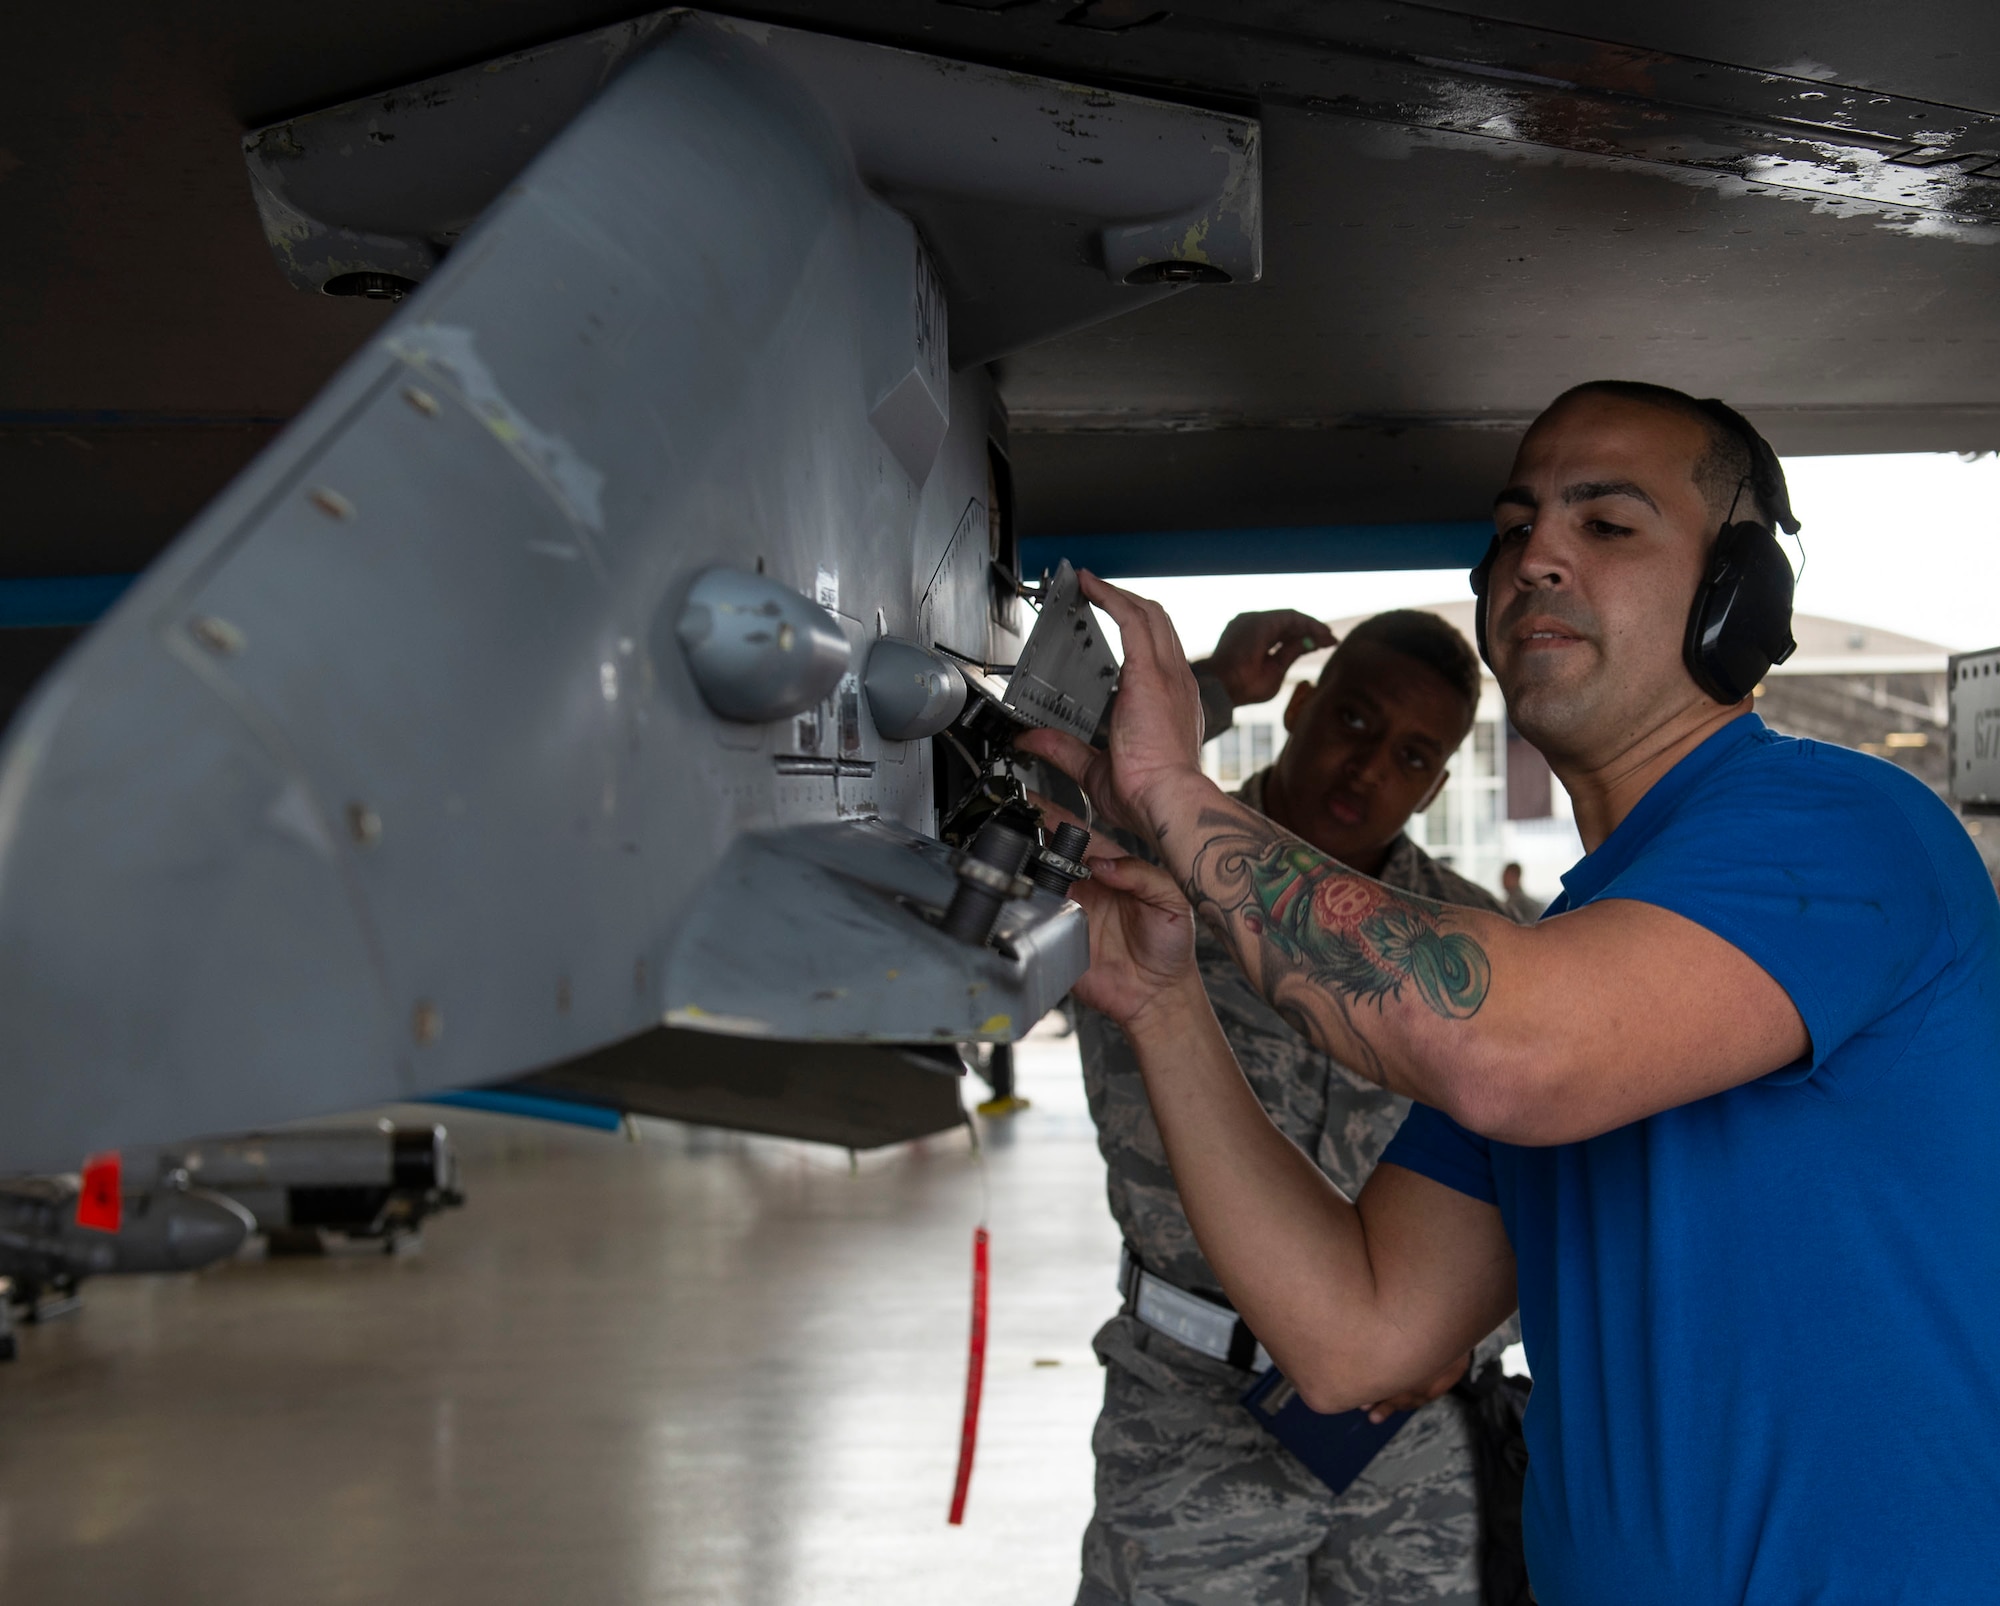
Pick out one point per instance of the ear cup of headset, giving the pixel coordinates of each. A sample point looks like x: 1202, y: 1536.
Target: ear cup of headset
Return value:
x: 1741, y: 621
x: 1481, y: 578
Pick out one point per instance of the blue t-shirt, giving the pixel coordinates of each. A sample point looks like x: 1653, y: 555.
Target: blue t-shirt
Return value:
x: 1765, y: 1326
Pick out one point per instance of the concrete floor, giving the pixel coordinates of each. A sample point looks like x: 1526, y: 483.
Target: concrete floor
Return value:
x: 698, y: 1368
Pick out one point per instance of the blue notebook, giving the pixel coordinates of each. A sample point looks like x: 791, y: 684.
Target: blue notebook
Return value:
x: 1335, y: 1449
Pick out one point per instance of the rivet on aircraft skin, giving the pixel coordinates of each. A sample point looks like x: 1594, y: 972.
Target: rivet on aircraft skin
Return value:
x: 363, y: 824
x: 219, y: 636
x: 331, y: 503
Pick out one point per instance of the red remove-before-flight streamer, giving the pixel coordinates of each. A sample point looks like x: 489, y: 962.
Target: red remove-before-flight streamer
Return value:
x: 975, y: 1378
x: 99, y: 1203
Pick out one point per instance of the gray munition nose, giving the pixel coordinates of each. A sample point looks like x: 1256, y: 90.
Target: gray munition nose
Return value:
x: 202, y: 1228
x: 177, y: 949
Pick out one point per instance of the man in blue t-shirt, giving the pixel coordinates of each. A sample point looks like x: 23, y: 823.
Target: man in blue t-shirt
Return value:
x: 1728, y: 1118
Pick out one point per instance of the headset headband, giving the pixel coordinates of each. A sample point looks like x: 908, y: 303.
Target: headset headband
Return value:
x: 1767, y: 474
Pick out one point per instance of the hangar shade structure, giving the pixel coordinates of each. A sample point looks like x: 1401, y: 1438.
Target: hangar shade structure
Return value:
x: 1466, y: 209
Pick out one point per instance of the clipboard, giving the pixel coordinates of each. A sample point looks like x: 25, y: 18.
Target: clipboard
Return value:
x: 1336, y: 1449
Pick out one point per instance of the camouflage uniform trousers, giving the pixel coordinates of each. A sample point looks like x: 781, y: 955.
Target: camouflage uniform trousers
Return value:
x: 1197, y: 1505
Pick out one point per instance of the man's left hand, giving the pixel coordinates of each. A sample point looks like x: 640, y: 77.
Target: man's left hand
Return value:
x: 1438, y: 1386
x: 1141, y: 938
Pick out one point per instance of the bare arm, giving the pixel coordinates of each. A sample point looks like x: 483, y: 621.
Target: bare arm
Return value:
x: 1355, y: 1302
x: 1543, y: 1034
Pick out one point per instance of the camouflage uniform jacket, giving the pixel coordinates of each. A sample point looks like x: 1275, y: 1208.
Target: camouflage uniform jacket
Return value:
x: 1341, y: 1120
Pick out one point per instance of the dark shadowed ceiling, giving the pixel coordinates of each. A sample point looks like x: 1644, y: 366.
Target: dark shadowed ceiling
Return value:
x: 1467, y: 208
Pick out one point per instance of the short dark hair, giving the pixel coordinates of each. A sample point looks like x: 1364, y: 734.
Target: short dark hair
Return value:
x: 1727, y: 472
x: 1429, y: 640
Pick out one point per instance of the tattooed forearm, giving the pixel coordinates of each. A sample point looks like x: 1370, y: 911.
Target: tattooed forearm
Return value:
x: 1321, y: 939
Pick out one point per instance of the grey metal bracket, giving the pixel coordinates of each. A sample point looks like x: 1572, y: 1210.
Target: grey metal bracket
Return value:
x: 1067, y: 673
x: 826, y: 932
x: 1047, y: 205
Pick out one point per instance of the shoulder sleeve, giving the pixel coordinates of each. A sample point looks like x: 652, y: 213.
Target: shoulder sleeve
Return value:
x: 1806, y: 861
x: 1411, y: 869
x: 1469, y: 895
x: 1433, y: 1145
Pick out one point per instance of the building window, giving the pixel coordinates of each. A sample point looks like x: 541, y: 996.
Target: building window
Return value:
x: 1227, y: 751
x: 1529, y: 794
x: 1437, y: 822
x: 1486, y: 817
x: 1241, y: 751
x: 1482, y: 750
x: 1260, y: 737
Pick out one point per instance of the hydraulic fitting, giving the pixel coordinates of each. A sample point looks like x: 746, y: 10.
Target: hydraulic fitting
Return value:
x: 1059, y: 866
x: 989, y: 873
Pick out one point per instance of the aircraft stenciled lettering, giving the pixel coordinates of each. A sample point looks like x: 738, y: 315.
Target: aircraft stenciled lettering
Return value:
x: 1986, y: 735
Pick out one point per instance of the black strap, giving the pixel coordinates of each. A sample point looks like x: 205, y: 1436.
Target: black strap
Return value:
x: 1494, y: 1403
x: 1242, y: 1342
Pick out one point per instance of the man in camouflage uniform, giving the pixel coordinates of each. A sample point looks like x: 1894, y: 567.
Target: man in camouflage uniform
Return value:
x: 1197, y: 1505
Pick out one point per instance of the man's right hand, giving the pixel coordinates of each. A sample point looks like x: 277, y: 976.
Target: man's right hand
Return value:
x: 1257, y: 649
x: 1155, y: 739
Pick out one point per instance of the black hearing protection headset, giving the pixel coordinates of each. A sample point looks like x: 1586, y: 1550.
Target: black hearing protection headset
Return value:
x: 1741, y: 620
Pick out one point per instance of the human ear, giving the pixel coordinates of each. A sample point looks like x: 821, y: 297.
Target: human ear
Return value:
x: 1295, y: 710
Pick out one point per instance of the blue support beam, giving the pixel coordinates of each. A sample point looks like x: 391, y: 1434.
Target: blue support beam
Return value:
x: 531, y: 1106
x: 48, y: 601
x: 1285, y: 549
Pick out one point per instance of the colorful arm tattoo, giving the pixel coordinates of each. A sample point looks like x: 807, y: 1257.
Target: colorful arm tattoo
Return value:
x: 1317, y: 935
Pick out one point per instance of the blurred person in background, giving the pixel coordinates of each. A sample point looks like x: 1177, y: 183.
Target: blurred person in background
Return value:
x: 1516, y: 899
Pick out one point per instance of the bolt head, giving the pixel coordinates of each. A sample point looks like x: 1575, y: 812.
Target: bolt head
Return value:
x: 331, y: 503
x: 219, y: 636
x: 364, y: 824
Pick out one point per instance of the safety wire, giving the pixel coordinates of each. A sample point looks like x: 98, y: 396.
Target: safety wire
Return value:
x: 975, y: 1355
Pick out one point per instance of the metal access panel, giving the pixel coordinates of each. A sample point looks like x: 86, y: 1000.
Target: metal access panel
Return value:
x: 1974, y: 682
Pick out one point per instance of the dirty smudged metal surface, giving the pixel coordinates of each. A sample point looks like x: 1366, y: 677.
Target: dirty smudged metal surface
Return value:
x: 1510, y: 83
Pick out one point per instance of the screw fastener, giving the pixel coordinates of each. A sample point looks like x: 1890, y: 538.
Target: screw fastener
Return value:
x: 330, y: 502
x: 364, y: 824
x: 219, y: 636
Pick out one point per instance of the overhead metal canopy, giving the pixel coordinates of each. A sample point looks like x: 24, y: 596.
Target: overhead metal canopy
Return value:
x: 1466, y: 208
